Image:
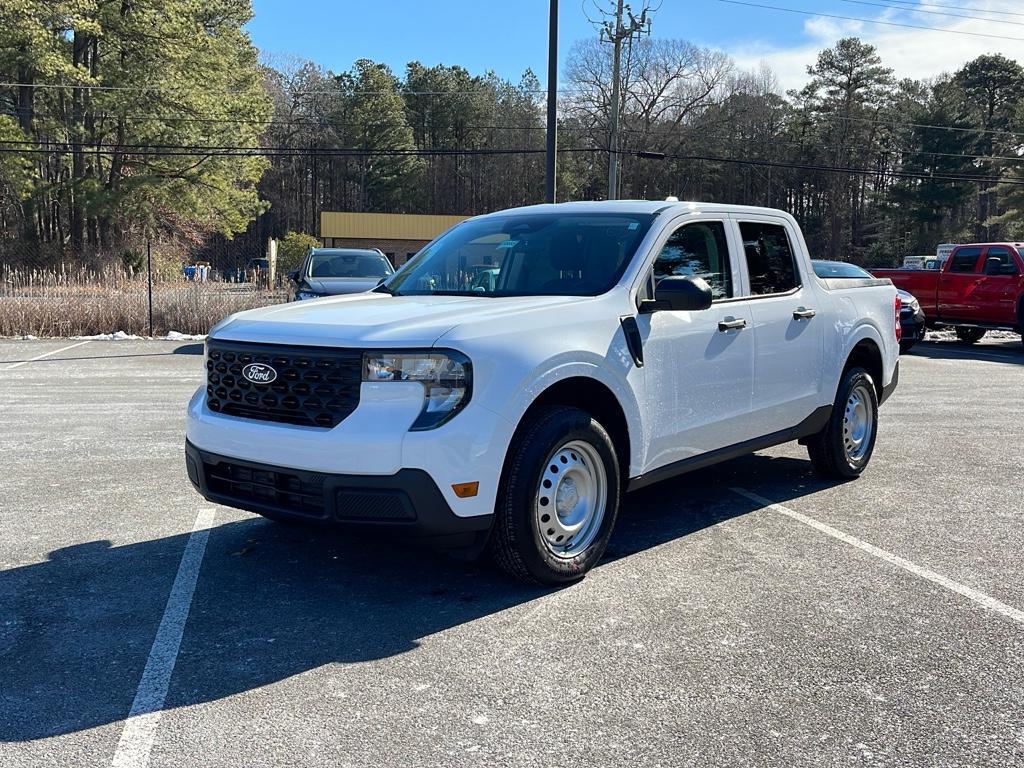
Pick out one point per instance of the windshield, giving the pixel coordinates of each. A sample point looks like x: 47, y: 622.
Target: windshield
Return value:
x: 348, y: 264
x: 529, y: 254
x: 839, y: 269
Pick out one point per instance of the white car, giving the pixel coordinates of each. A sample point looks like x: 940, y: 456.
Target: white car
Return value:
x: 621, y: 343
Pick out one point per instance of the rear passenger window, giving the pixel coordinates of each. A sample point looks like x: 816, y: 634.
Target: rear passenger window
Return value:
x: 698, y: 250
x: 964, y: 260
x: 770, y: 260
x: 999, y: 261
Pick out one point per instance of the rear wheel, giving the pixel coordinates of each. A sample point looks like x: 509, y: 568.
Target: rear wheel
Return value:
x: 843, y: 448
x: 559, y: 498
x: 969, y: 335
x: 907, y: 344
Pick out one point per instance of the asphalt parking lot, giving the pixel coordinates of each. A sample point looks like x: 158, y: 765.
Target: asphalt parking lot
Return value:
x: 719, y: 630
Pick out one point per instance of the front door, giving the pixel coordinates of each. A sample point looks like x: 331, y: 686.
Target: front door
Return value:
x: 788, y: 329
x: 698, y: 365
x: 958, y: 284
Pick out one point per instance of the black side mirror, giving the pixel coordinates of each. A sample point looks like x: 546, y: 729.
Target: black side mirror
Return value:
x: 294, y: 275
x: 681, y: 294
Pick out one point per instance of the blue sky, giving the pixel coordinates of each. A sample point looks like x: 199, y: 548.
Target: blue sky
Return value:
x: 511, y: 36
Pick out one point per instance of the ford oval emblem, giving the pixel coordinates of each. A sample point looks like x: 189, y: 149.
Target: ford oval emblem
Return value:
x: 259, y: 373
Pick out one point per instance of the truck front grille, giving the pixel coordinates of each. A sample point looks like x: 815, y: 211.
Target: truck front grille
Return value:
x: 308, y: 386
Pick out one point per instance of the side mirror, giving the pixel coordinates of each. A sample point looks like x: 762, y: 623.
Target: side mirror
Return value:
x: 294, y: 275
x: 680, y: 294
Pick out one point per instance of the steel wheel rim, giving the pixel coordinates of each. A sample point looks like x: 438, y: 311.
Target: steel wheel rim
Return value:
x: 571, y: 499
x: 858, y: 423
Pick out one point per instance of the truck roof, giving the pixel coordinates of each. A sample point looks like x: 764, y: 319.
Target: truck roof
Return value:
x: 1007, y: 243
x: 639, y: 206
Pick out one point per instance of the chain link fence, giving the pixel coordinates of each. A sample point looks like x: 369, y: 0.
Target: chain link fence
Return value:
x: 152, y: 289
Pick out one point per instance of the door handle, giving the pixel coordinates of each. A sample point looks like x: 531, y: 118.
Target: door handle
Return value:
x: 731, y: 324
x: 803, y: 313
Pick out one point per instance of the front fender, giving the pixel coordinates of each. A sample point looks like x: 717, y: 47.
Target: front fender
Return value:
x: 573, y: 365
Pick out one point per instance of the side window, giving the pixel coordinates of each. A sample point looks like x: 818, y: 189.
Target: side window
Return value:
x: 964, y: 260
x: 698, y: 250
x: 770, y: 260
x: 999, y: 261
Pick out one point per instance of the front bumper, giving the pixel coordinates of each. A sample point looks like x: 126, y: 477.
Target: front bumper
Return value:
x: 374, y: 440
x: 407, y: 503
x: 912, y: 325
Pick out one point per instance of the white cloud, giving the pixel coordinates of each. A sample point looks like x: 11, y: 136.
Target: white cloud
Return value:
x: 914, y: 53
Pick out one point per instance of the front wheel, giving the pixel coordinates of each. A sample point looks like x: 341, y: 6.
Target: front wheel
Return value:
x: 559, y: 498
x: 969, y: 335
x: 843, y: 448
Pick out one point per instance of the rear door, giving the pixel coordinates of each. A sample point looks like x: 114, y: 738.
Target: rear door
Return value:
x: 958, y: 283
x: 698, y: 366
x: 788, y: 325
x: 996, y: 292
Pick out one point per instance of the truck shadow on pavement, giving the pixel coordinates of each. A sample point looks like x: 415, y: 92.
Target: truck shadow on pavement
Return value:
x: 1010, y: 351
x: 274, y: 601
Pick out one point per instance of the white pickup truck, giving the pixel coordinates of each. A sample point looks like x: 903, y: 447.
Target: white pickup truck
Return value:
x: 612, y: 345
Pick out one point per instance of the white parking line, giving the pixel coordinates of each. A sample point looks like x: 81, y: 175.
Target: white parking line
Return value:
x: 45, y: 354
x: 936, y: 578
x: 136, y: 740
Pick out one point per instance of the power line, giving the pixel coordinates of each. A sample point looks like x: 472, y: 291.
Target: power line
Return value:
x: 850, y: 170
x: 944, y: 177
x: 338, y: 92
x: 903, y: 124
x: 56, y: 146
x: 910, y: 9
x: 287, y: 151
x: 914, y: 4
x: 870, y: 21
x: 572, y: 128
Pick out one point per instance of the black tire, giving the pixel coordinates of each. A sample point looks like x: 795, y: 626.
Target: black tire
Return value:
x: 907, y: 345
x: 517, y: 544
x: 827, y: 448
x: 969, y: 335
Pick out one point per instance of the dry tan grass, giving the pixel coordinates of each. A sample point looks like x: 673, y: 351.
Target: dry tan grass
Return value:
x: 83, y: 302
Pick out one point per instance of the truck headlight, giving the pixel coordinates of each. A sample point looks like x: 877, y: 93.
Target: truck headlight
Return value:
x: 303, y: 295
x: 447, y: 379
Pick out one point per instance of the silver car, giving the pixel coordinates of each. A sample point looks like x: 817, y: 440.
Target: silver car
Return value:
x: 334, y: 271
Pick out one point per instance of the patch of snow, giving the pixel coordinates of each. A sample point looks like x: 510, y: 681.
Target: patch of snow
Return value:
x: 175, y: 336
x: 116, y: 336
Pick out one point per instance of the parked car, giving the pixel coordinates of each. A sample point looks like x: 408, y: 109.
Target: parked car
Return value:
x: 912, y: 317
x: 511, y: 420
x: 979, y: 287
x: 336, y: 271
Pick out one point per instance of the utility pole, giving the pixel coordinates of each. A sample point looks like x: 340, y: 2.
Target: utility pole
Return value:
x: 615, y: 32
x: 552, y: 132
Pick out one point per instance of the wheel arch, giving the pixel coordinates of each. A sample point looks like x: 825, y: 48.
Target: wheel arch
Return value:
x: 867, y: 354
x: 597, y: 398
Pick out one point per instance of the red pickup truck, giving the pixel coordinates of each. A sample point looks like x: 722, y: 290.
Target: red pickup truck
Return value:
x: 979, y: 287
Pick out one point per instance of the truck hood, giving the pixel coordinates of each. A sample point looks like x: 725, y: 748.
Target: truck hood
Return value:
x: 369, y: 319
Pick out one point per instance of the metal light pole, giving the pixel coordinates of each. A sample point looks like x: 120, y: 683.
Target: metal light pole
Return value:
x: 552, y: 132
